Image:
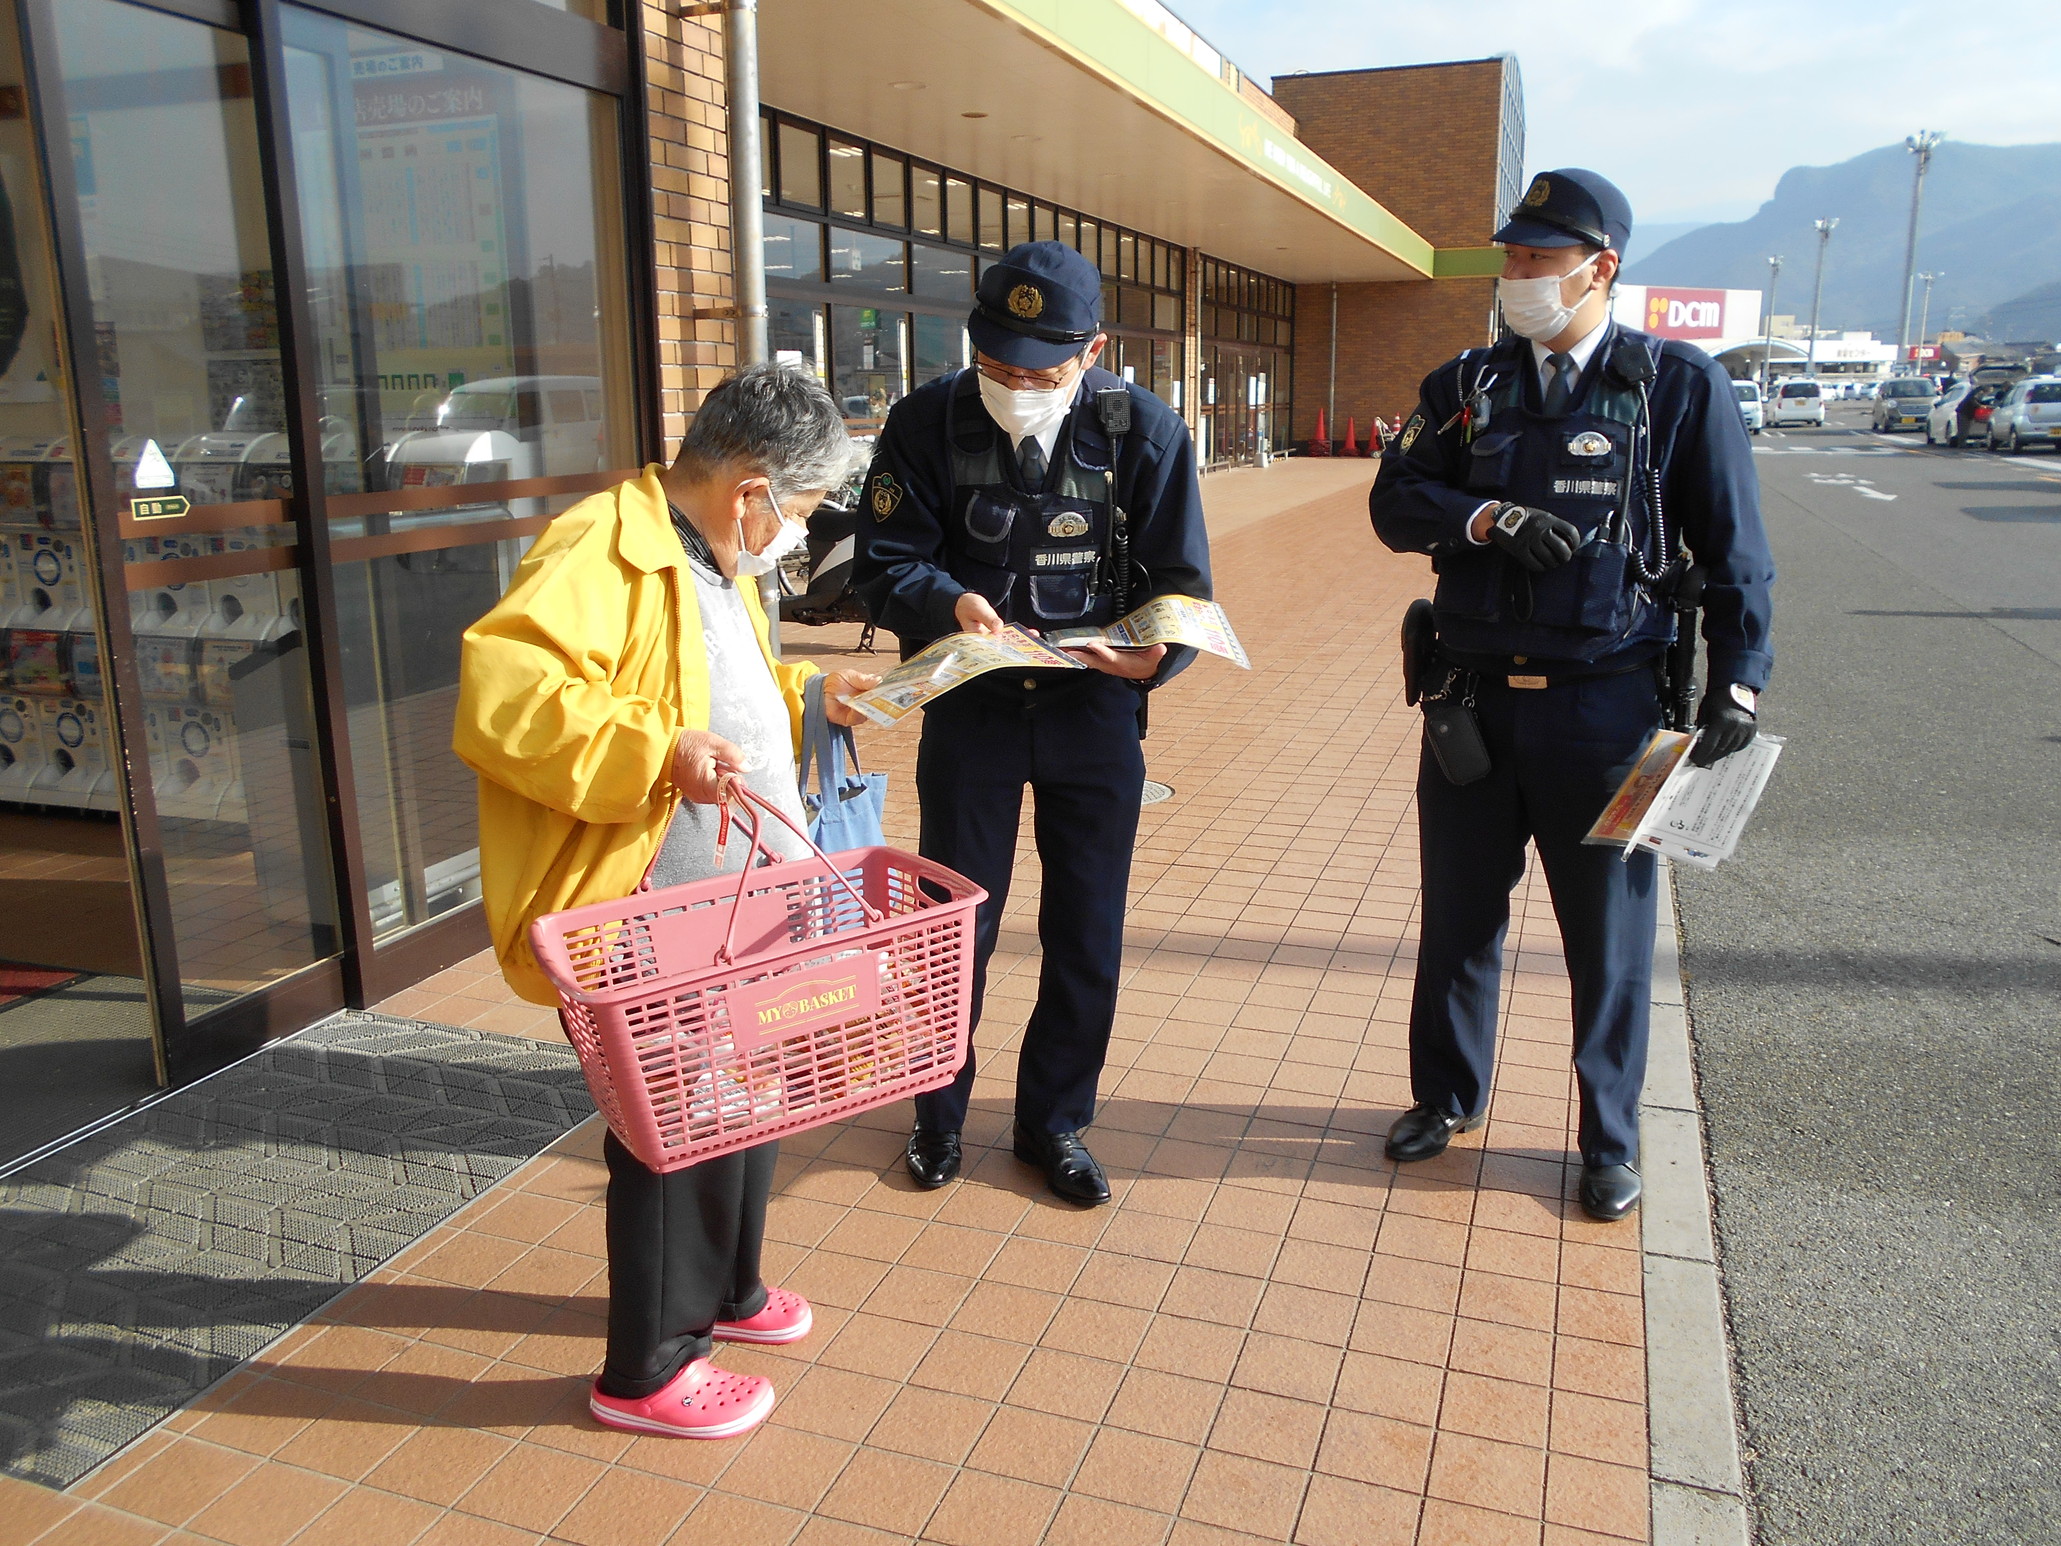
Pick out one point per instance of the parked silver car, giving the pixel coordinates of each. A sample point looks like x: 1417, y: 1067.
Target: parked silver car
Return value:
x: 1903, y: 403
x: 2028, y: 415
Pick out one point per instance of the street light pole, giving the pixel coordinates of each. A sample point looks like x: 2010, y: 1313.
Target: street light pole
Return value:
x: 1925, y: 311
x: 1920, y: 145
x: 1767, y: 348
x: 1825, y: 229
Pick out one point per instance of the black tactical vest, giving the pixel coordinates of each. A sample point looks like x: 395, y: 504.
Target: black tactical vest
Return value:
x: 1583, y: 467
x: 1041, y: 559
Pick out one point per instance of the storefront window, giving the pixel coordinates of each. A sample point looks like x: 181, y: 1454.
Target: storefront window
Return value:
x: 164, y: 147
x: 940, y: 274
x: 794, y: 249
x: 874, y: 262
x: 867, y: 349
x: 795, y: 333
x: 466, y: 265
x: 959, y: 210
x: 926, y: 201
x: 941, y: 347
x: 847, y: 179
x: 801, y: 177
x: 889, y: 206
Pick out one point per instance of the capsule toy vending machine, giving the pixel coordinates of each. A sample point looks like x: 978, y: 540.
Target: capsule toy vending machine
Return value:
x: 76, y: 771
x: 21, y: 746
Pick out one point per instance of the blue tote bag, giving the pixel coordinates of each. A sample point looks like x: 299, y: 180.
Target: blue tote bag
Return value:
x: 844, y: 802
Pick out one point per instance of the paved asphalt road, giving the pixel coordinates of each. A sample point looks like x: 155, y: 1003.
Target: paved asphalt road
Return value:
x: 1875, y: 984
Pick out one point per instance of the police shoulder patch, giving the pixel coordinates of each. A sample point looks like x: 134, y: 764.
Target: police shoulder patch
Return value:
x: 1412, y: 430
x: 887, y: 495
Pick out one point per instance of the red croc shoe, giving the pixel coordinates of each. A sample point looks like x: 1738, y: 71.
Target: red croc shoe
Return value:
x: 786, y: 1318
x: 702, y: 1402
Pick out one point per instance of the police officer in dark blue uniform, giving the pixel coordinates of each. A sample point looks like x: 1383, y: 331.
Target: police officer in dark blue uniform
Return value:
x: 1554, y: 479
x: 1036, y: 490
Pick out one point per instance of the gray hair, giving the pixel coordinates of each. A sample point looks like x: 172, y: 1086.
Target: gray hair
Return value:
x: 774, y: 422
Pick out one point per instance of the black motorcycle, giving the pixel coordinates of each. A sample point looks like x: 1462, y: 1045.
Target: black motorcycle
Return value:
x: 822, y: 571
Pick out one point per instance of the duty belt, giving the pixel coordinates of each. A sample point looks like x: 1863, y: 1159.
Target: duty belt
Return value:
x: 1540, y: 680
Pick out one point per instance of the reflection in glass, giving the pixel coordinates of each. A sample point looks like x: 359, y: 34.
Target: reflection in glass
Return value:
x: 940, y: 274
x: 794, y: 249
x: 466, y: 264
x: 991, y: 219
x: 801, y: 178
x: 866, y: 345
x: 795, y: 334
x: 171, y: 210
x: 875, y: 262
x: 1069, y: 229
x: 926, y: 206
x: 1166, y: 313
x: 940, y: 346
x: 847, y: 179
x: 1019, y: 222
x: 888, y: 208
x: 1090, y: 238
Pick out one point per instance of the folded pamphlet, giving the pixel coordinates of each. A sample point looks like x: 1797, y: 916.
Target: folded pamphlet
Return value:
x: 1667, y: 805
x: 1201, y: 625
x: 960, y: 657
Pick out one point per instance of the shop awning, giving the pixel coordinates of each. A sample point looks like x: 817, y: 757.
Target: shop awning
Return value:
x: 1094, y: 104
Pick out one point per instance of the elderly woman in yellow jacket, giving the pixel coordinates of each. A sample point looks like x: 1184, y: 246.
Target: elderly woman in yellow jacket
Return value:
x: 623, y: 677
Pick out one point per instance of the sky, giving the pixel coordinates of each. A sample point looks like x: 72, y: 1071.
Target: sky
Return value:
x: 1694, y: 107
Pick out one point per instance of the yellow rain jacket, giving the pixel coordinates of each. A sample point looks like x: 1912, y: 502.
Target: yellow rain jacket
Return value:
x: 572, y: 692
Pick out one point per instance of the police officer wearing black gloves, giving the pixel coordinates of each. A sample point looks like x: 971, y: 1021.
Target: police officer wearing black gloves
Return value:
x: 1033, y: 489
x: 1555, y: 479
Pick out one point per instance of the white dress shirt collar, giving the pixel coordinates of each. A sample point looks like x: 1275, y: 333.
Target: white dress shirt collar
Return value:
x: 1583, y: 352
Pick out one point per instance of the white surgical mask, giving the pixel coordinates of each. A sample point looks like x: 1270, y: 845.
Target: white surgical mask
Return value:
x: 783, y: 541
x: 1022, y: 414
x: 1534, y: 308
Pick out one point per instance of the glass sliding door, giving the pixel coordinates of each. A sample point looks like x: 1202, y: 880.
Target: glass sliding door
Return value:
x: 467, y: 275
x: 76, y: 1037
x: 184, y: 315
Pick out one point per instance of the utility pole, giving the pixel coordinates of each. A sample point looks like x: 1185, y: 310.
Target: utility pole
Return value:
x: 1920, y: 145
x: 1767, y: 348
x: 1825, y: 229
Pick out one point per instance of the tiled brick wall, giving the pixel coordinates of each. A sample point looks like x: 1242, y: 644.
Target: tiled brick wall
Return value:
x: 690, y: 175
x: 1423, y: 140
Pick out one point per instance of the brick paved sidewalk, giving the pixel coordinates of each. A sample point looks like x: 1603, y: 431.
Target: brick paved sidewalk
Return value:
x: 1273, y: 1335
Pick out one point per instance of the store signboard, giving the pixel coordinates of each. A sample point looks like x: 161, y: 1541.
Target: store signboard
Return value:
x: 1677, y: 313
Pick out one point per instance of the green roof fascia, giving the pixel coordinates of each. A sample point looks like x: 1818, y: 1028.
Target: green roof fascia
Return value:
x: 1467, y: 263
x: 1105, y: 37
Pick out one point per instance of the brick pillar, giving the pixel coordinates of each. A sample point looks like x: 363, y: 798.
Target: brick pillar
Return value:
x: 690, y: 177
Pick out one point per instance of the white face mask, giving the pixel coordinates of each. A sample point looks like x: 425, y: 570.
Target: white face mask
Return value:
x: 790, y: 535
x: 1022, y: 414
x: 1534, y: 308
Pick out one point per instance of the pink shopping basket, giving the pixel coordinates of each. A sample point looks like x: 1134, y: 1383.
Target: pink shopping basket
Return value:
x: 716, y: 1015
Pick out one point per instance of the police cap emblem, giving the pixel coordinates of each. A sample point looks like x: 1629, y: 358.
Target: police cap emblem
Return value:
x: 1541, y: 190
x: 1589, y: 443
x: 887, y: 495
x: 1026, y: 301
x: 1069, y: 523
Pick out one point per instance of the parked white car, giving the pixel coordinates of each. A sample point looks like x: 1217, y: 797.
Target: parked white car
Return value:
x: 1796, y: 402
x: 2026, y: 416
x: 1961, y: 415
x: 1750, y: 407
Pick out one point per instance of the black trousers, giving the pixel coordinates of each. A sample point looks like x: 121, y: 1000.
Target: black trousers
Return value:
x: 683, y: 1253
x: 1559, y: 753
x: 1076, y: 746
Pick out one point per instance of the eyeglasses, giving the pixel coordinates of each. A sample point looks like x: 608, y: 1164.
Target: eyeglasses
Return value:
x: 1028, y: 380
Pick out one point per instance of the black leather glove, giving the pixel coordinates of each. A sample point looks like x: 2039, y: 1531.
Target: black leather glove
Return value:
x: 1537, y: 539
x: 1726, y: 726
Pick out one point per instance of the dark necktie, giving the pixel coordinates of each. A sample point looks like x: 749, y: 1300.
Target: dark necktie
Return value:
x: 1560, y: 390
x: 1030, y: 456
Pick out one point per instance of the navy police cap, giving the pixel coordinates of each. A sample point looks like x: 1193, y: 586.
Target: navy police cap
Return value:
x: 1569, y: 207
x: 1038, y: 307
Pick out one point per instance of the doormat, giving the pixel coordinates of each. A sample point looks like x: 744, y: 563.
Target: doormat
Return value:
x: 18, y: 982
x: 142, y: 1264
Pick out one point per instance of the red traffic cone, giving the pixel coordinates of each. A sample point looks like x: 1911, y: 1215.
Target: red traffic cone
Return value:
x: 1352, y: 438
x: 1320, y: 442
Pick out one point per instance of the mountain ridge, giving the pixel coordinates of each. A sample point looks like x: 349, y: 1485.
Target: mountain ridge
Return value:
x: 1991, y: 227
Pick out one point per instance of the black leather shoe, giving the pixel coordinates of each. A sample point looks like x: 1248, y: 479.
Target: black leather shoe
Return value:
x: 932, y: 1156
x: 1070, y: 1170
x: 1609, y: 1192
x: 1422, y: 1133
